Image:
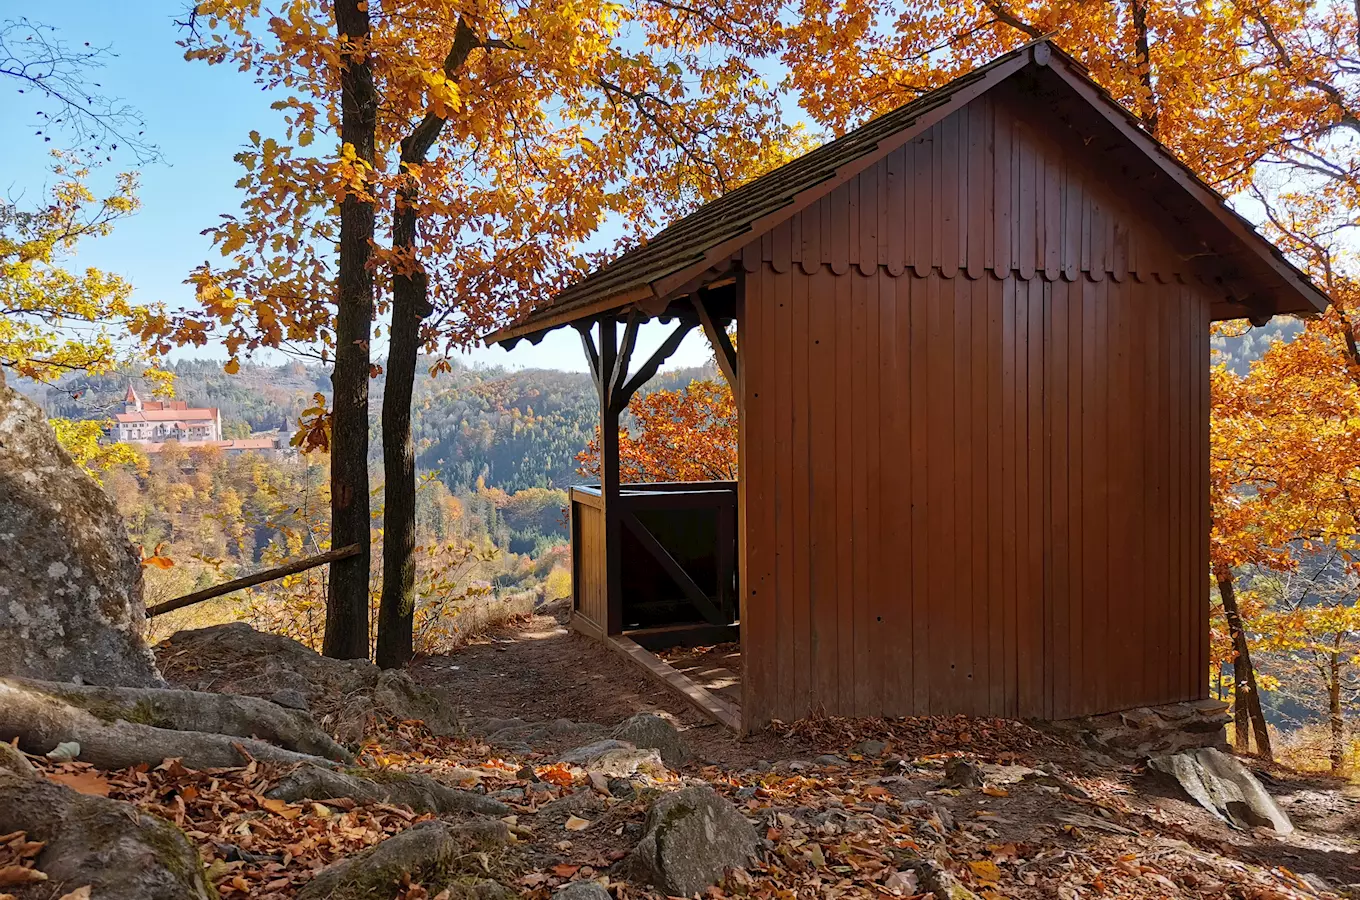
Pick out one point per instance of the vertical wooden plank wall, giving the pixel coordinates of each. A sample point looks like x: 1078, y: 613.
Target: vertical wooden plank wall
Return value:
x: 974, y: 441
x: 587, y: 547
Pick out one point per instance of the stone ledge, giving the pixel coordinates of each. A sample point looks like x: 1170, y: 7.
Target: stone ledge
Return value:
x: 1153, y: 730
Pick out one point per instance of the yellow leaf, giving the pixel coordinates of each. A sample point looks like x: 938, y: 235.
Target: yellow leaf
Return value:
x: 576, y: 823
x: 232, y: 367
x: 994, y: 791
x: 985, y: 871
x: 279, y: 808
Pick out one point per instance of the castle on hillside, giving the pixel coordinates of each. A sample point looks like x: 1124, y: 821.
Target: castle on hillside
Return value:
x: 151, y: 422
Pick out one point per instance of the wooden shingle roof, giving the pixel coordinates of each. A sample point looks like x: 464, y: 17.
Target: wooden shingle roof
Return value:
x: 669, y: 261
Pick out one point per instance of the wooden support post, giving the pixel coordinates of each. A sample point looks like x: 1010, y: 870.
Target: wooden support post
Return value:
x: 609, y: 473
x: 610, y: 360
x: 727, y: 560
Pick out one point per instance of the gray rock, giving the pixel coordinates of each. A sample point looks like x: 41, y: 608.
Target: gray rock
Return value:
x: 830, y: 761
x: 870, y: 749
x: 121, y: 852
x: 584, y: 756
x: 650, y: 731
x: 400, y: 697
x: 582, y: 890
x: 959, y: 772
x: 289, y: 699
x: 691, y: 837
x: 1223, y: 786
x: 11, y: 760
x: 71, y: 602
x: 431, y: 853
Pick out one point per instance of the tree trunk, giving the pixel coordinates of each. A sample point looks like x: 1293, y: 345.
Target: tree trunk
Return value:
x: 410, y: 306
x: 347, y: 591
x: 1243, y: 675
x: 1334, y: 715
x: 1148, y: 106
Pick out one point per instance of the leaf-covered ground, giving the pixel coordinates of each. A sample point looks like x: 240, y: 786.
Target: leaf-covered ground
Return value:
x: 841, y: 818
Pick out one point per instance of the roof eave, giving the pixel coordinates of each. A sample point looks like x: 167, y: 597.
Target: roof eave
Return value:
x: 1311, y: 300
x: 536, y: 324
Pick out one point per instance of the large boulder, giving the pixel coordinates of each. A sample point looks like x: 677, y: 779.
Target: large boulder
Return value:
x: 690, y: 839
x: 121, y: 852
x: 1223, y: 786
x: 70, y: 580
x: 435, y: 854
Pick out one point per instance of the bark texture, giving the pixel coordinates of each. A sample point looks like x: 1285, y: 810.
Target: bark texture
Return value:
x: 346, y: 634
x: 410, y: 307
x: 226, y: 714
x: 420, y: 792
x: 117, y: 850
x: 1243, y: 674
x: 41, y: 721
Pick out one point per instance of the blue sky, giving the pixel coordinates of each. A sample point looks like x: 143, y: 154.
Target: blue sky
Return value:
x: 199, y: 116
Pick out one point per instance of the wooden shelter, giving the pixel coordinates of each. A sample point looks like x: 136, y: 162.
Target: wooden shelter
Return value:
x: 973, y: 382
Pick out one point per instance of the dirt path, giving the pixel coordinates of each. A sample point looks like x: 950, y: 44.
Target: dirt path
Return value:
x: 539, y: 670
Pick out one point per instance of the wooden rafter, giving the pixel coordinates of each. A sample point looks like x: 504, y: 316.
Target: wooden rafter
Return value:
x: 592, y: 355
x: 648, y: 369
x: 717, y: 336
x: 619, y: 376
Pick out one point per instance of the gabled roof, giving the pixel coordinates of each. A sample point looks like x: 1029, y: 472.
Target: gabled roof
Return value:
x: 168, y: 415
x: 663, y: 267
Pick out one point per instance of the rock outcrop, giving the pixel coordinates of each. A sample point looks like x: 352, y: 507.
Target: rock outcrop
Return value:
x: 1223, y: 786
x: 122, y: 853
x: 70, y: 580
x: 690, y: 839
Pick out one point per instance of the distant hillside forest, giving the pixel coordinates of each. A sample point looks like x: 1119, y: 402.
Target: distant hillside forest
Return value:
x: 474, y: 427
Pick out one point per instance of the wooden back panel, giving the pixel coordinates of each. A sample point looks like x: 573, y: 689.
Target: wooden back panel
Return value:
x: 975, y: 442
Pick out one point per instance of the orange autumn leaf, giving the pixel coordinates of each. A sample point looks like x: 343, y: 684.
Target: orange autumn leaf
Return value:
x: 85, y: 781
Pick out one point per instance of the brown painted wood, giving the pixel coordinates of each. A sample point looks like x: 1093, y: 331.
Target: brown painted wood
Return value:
x: 588, y: 577
x: 973, y: 440
x: 705, y: 701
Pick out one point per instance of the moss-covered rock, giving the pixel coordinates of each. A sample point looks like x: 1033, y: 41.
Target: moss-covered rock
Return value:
x: 691, y: 837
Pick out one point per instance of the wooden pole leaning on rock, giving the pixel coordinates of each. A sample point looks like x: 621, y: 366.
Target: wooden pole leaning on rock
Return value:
x: 236, y: 584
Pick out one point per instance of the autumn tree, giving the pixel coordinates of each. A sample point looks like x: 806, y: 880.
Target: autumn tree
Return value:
x: 683, y: 435
x: 506, y: 134
x: 55, y: 320
x: 1313, y: 624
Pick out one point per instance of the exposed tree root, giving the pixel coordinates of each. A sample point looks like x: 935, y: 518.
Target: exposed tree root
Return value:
x: 198, y: 711
x: 121, y: 727
x: 420, y: 792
